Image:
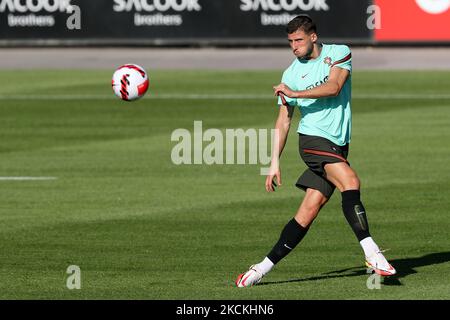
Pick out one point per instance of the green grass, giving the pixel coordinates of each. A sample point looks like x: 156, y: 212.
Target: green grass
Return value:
x: 140, y: 227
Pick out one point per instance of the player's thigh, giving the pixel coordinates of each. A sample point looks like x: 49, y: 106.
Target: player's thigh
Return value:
x: 317, y: 152
x: 342, y: 176
x: 313, y: 180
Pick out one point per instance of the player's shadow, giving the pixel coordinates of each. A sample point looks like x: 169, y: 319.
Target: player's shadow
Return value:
x: 404, y: 268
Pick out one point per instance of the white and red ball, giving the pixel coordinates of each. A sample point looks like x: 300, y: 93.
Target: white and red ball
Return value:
x: 130, y: 82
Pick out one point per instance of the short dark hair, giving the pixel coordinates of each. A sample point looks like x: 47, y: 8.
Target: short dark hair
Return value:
x: 301, y: 22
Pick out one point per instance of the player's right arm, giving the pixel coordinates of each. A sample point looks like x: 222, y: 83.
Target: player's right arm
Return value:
x: 282, y: 126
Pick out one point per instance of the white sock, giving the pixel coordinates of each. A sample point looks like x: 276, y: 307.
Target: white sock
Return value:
x: 369, y: 246
x: 265, y: 266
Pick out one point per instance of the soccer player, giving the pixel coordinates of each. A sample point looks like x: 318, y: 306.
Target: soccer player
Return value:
x: 319, y: 83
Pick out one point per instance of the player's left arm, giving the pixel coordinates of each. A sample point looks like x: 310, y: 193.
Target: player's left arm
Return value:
x: 331, y: 88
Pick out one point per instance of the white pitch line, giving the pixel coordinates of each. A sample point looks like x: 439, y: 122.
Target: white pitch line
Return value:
x: 27, y: 178
x: 229, y: 96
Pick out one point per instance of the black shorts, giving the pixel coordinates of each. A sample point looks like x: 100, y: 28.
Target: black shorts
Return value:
x: 316, y: 152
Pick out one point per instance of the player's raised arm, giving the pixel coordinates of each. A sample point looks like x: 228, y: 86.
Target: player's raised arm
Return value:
x: 331, y: 88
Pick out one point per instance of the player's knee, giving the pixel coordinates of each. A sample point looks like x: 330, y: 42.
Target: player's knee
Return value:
x: 352, y: 183
x: 355, y: 183
x: 307, y: 213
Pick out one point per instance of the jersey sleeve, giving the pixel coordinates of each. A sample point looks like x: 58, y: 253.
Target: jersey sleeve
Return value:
x: 343, y: 58
x: 287, y: 80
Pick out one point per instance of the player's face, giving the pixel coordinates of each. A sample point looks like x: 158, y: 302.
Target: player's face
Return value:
x: 302, y: 44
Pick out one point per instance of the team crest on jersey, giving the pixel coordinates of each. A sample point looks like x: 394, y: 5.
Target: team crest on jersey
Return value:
x: 327, y: 61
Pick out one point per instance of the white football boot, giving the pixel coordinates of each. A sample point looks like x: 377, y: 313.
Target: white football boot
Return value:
x: 379, y: 264
x: 249, y: 278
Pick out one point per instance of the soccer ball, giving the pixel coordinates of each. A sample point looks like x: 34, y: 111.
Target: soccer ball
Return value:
x: 130, y: 82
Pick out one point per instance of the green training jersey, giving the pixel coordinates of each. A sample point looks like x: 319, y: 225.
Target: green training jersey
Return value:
x: 329, y: 117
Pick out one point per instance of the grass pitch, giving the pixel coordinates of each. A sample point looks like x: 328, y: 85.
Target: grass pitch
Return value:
x: 140, y: 227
